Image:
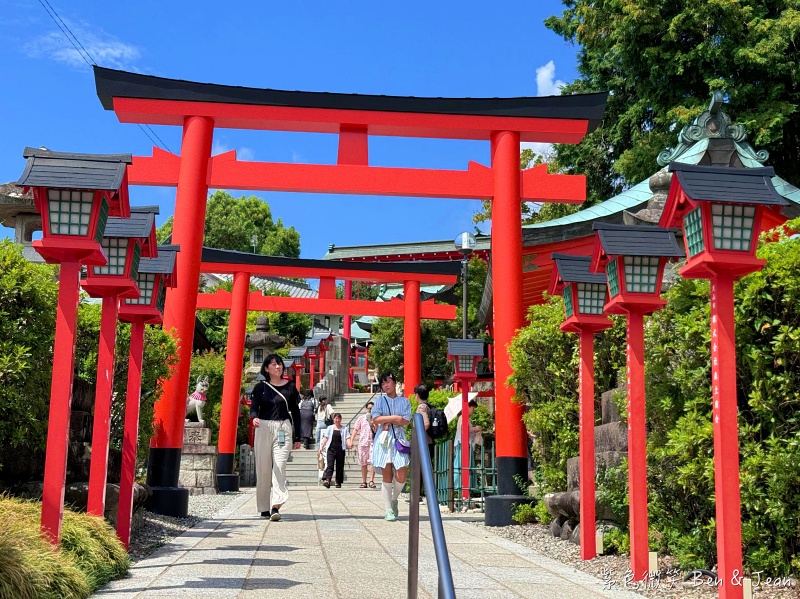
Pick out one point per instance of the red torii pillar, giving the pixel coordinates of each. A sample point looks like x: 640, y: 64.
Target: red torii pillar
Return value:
x: 164, y: 461
x: 412, y: 349
x: 347, y: 323
x: 507, y: 293
x: 232, y: 384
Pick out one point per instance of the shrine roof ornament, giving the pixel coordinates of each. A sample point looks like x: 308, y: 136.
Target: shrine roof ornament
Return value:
x: 712, y: 123
x: 112, y: 84
x: 73, y: 171
x: 732, y: 185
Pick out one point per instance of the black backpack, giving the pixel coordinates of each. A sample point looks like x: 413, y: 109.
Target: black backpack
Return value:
x: 438, y: 420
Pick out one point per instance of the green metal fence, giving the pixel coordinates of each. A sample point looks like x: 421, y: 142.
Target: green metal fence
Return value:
x: 482, y: 476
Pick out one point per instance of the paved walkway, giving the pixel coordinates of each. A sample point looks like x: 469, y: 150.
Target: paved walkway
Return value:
x: 335, y: 543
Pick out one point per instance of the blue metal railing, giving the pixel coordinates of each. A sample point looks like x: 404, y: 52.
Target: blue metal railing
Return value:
x: 422, y: 472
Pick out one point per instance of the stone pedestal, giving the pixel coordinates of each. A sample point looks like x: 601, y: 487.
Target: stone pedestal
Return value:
x: 247, y: 466
x: 198, y: 461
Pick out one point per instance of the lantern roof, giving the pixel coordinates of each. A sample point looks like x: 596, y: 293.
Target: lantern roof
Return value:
x: 297, y: 352
x: 634, y: 240
x: 313, y: 342
x: 288, y: 364
x: 140, y: 224
x: 163, y: 264
x: 751, y: 186
x: 575, y: 269
x: 73, y: 171
x: 465, y: 347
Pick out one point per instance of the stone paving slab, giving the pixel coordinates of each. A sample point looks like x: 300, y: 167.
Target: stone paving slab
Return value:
x: 335, y: 543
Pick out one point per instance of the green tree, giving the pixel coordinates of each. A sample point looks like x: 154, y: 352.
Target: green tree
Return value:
x: 660, y: 60
x: 244, y: 224
x: 28, y: 294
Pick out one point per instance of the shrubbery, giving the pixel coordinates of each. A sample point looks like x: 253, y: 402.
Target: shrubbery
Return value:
x: 680, y: 432
x: 90, y: 554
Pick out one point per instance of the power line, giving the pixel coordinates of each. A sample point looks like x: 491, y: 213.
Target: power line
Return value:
x: 94, y: 62
x: 69, y: 39
x: 84, y: 54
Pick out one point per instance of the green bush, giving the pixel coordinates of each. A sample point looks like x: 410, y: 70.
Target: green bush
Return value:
x: 89, y: 556
x: 28, y: 294
x: 524, y: 513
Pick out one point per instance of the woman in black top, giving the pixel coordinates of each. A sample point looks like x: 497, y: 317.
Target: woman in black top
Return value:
x: 276, y: 418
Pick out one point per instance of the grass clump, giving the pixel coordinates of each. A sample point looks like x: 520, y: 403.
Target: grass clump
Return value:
x: 31, y: 568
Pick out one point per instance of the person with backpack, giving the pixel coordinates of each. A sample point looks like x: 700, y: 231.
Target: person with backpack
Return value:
x: 424, y: 408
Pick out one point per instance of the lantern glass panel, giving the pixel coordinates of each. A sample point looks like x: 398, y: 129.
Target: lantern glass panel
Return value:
x: 146, y: 283
x: 69, y: 211
x: 613, y: 280
x: 465, y: 363
x: 258, y: 355
x: 733, y: 226
x: 591, y: 297
x: 568, y: 309
x: 117, y: 250
x: 693, y: 228
x: 641, y: 273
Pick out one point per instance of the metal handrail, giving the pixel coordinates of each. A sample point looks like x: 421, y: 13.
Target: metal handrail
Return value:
x: 350, y: 422
x: 419, y: 447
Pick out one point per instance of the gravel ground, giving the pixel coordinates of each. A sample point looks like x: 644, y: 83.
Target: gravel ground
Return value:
x: 614, y: 568
x: 156, y: 530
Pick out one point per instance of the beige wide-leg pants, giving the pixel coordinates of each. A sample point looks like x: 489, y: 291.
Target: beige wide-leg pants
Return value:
x: 271, y: 458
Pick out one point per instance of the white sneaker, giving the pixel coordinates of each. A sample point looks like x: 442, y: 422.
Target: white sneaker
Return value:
x: 390, y: 517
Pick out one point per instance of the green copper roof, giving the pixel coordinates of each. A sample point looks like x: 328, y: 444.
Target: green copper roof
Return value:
x: 628, y: 199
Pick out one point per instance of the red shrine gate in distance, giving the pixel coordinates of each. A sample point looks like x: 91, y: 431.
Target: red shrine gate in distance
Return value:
x: 504, y: 122
x: 241, y: 300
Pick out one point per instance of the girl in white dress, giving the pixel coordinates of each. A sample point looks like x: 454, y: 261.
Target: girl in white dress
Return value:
x: 391, y: 413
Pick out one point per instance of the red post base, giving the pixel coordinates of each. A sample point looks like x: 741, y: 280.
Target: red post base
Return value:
x: 586, y: 445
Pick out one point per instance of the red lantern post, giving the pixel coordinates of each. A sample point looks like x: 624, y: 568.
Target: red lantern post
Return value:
x: 721, y: 211
x: 75, y: 194
x: 634, y: 259
x: 155, y: 275
x: 584, y: 296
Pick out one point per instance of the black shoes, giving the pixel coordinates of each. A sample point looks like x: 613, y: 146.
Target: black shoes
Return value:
x: 265, y: 514
x: 326, y: 484
x: 274, y: 515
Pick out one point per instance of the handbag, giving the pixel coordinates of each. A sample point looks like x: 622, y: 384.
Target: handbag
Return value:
x: 320, y: 462
x: 400, y: 445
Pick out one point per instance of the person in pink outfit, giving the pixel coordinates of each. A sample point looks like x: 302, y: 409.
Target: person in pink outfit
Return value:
x: 365, y: 430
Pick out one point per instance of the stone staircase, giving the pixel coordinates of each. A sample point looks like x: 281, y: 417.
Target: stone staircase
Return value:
x: 301, y: 470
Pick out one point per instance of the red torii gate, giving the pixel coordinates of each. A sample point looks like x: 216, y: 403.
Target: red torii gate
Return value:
x: 200, y: 108
x: 242, y: 266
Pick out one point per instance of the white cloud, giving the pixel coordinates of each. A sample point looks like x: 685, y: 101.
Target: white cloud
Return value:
x: 102, y: 47
x: 545, y: 85
x: 220, y: 147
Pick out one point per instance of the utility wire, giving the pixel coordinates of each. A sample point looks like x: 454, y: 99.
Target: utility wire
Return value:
x: 94, y: 62
x: 88, y: 59
x: 69, y: 39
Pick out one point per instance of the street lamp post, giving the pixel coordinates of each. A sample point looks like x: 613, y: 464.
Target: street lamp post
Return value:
x: 465, y: 245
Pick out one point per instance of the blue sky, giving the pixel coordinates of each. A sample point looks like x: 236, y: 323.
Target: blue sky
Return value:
x: 456, y: 49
